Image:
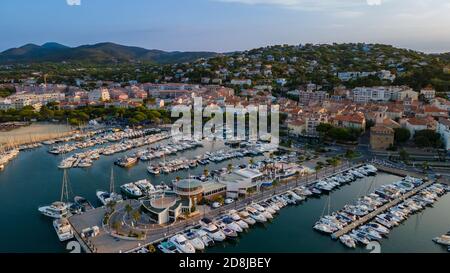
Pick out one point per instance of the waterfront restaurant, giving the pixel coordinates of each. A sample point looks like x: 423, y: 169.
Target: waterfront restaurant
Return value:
x: 212, y: 189
x: 189, y: 189
x: 241, y: 182
x: 163, y: 209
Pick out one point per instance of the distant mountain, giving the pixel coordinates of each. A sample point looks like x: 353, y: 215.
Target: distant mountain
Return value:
x: 98, y: 53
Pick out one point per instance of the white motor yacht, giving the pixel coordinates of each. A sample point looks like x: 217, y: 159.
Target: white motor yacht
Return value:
x: 348, y: 241
x: 182, y: 244
x: 231, y: 224
x: 195, y: 240
x: 168, y: 247
x: 262, y: 210
x: 203, y: 235
x: 235, y: 216
x: 212, y: 230
x: 131, y: 190
x: 63, y: 229
x: 106, y: 197
x: 56, y: 210
x: 245, y: 216
x: 145, y: 186
x: 256, y: 215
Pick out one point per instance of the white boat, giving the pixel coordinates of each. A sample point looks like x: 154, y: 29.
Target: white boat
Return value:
x: 379, y: 228
x: 262, y: 210
x: 145, y: 186
x: 203, y: 235
x: 231, y: 224
x: 63, y: 229
x: 131, y: 190
x: 348, y: 241
x: 235, y: 216
x: 168, y: 247
x: 357, y: 236
x: 195, y: 241
x: 324, y: 228
x: 442, y: 240
x: 106, y: 197
x: 182, y: 244
x: 268, y: 208
x: 256, y: 215
x: 245, y: 216
x: 212, y: 230
x: 56, y: 210
x: 296, y: 196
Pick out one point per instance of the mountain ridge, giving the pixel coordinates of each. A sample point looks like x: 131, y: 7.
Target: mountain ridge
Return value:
x: 105, y: 52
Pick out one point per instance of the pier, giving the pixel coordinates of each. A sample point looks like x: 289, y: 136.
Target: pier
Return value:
x: 380, y: 210
x: 398, y: 172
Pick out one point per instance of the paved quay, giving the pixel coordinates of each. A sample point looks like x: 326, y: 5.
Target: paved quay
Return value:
x: 106, y: 243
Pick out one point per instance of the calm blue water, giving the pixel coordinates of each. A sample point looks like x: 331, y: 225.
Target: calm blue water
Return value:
x: 32, y: 180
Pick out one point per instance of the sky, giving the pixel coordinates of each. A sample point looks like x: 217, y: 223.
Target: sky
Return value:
x: 226, y: 25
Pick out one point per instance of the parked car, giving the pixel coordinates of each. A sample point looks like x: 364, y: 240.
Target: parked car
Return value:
x: 216, y: 205
x: 229, y: 201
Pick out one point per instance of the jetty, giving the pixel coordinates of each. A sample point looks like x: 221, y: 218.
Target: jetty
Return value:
x: 398, y: 172
x: 380, y: 210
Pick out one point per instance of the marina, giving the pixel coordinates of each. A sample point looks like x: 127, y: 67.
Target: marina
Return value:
x: 87, y: 158
x: 86, y: 182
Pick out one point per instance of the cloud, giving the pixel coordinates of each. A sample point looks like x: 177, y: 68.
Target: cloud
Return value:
x: 311, y: 4
x: 73, y: 2
x: 374, y: 2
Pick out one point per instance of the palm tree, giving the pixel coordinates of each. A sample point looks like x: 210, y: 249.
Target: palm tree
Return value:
x: 136, y: 216
x: 111, y: 206
x: 425, y: 166
x: 128, y: 209
x: 335, y: 162
x: 178, y: 178
x: 116, y: 226
x: 205, y: 172
x: 230, y: 167
x: 251, y: 161
x: 318, y: 168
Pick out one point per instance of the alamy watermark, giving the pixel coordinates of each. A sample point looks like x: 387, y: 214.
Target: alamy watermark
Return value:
x: 234, y: 123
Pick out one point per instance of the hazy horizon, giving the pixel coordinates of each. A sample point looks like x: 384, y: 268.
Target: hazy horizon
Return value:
x: 226, y: 25
x: 220, y: 52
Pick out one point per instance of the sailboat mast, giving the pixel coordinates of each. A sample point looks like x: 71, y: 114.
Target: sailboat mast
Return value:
x: 65, y: 189
x: 111, y: 185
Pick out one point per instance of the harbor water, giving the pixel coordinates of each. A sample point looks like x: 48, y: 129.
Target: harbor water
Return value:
x: 32, y: 180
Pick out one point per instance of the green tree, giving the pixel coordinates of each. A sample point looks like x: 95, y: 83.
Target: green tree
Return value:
x: 128, y: 209
x: 404, y: 156
x: 116, y: 225
x: 402, y: 135
x: 136, y: 215
x: 428, y: 138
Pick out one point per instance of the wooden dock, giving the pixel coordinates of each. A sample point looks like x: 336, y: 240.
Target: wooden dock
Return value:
x: 380, y: 210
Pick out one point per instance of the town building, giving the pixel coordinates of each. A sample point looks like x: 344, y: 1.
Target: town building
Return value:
x: 381, y: 137
x: 444, y: 131
x: 307, y: 97
x: 428, y: 93
x: 241, y: 182
x: 415, y: 124
x: 99, y: 95
x: 353, y: 120
x: 162, y: 209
